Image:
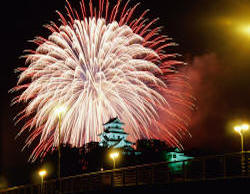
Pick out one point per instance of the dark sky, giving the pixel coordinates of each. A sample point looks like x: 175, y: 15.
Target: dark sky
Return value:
x: 209, y: 40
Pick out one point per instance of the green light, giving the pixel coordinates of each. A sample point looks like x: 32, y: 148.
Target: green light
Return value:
x: 176, y: 160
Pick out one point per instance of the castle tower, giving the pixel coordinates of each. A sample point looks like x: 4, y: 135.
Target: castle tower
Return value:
x: 114, y: 135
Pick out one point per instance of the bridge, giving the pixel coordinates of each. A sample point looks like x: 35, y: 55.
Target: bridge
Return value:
x: 232, y: 167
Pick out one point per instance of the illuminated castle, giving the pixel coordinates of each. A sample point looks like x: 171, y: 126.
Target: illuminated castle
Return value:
x: 114, y: 135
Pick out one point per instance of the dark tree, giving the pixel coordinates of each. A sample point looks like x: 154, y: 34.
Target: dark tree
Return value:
x: 151, y: 150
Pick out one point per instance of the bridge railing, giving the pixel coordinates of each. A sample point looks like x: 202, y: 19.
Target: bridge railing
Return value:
x: 231, y: 165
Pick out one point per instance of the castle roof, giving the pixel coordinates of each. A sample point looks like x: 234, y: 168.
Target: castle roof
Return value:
x: 114, y: 120
x: 114, y: 131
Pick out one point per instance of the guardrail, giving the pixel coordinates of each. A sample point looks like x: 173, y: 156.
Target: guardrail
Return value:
x: 233, y: 165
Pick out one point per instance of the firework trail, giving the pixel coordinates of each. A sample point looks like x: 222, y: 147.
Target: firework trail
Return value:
x: 101, y: 62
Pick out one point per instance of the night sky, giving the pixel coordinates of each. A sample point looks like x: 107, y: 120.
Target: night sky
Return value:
x: 209, y: 39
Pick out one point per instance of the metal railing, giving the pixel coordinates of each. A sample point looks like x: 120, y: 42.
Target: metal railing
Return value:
x: 233, y: 165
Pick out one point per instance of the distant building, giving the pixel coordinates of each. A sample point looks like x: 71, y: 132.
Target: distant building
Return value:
x: 114, y: 135
x: 176, y: 160
x: 176, y: 155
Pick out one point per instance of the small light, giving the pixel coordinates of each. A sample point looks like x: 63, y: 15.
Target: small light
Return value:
x: 114, y: 155
x: 246, y: 29
x: 60, y: 110
x: 237, y: 129
x: 245, y: 127
x: 241, y: 129
x: 42, y: 173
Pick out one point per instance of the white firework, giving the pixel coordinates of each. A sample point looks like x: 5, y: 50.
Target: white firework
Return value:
x: 98, y: 69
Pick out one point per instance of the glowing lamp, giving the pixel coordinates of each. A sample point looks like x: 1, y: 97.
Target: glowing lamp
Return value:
x: 114, y: 155
x: 245, y: 127
x: 42, y: 173
x: 60, y: 110
x: 240, y: 129
x: 237, y: 129
x: 246, y: 29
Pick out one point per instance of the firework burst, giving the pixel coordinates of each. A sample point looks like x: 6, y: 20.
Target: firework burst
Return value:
x: 102, y: 62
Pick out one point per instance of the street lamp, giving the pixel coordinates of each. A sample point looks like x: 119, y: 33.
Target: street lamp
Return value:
x: 114, y: 156
x: 241, y: 129
x: 59, y: 110
x: 246, y: 30
x: 42, y: 173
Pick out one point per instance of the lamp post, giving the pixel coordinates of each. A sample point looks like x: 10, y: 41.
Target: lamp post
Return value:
x: 241, y: 129
x: 59, y: 111
x: 114, y: 156
x: 42, y: 173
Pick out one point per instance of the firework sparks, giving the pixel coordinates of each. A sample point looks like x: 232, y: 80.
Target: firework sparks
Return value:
x: 102, y: 63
